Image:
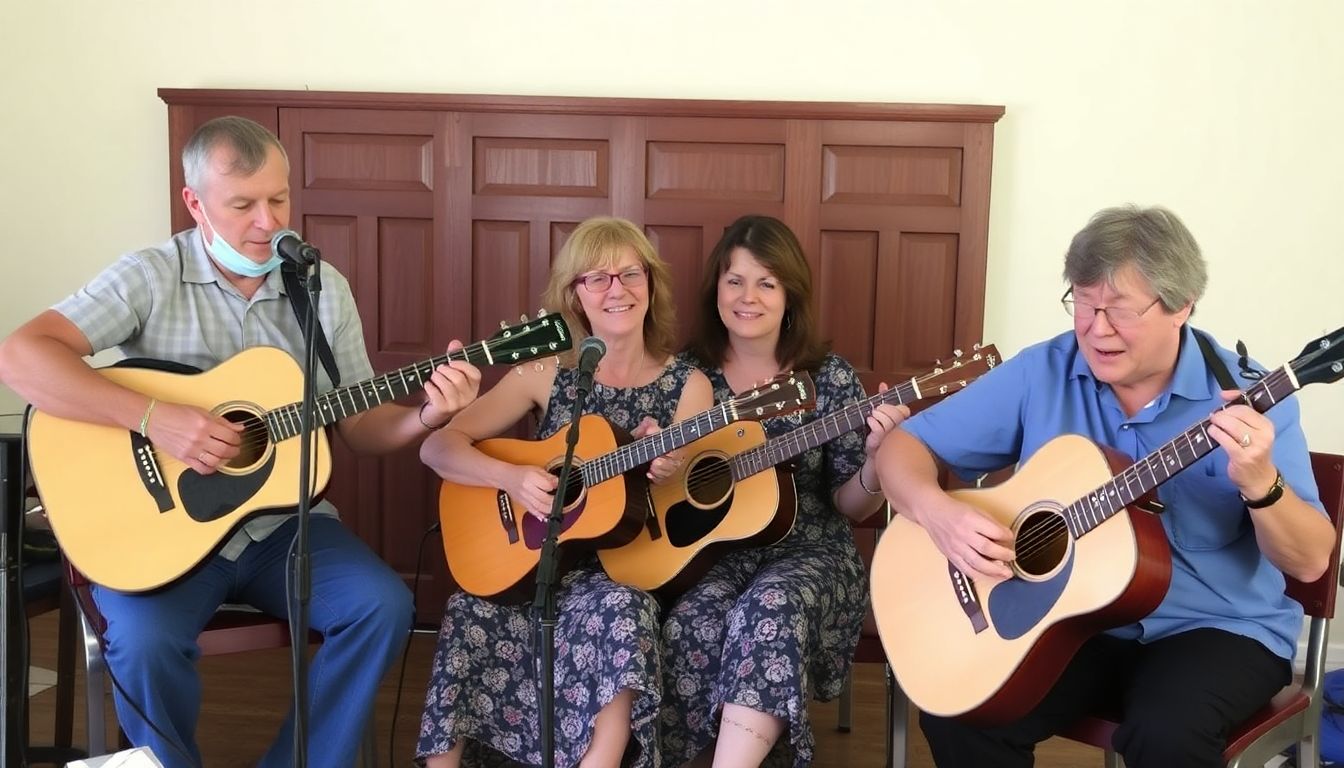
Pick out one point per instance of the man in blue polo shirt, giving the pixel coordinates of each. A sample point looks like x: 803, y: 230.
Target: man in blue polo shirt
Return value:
x: 1131, y: 376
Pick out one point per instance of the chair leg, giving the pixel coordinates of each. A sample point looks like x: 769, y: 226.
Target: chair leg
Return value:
x: 66, y: 628
x: 95, y: 689
x: 898, y: 722
x: 846, y: 718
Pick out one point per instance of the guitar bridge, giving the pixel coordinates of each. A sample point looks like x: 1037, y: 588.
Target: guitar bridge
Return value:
x: 506, y: 519
x: 147, y: 466
x: 969, y: 599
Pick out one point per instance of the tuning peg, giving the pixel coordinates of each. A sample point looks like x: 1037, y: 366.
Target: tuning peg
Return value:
x: 522, y: 318
x: 976, y: 346
x: 956, y: 353
x: 541, y: 313
x: 503, y: 325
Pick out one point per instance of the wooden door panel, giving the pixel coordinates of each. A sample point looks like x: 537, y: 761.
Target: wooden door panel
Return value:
x: 446, y: 212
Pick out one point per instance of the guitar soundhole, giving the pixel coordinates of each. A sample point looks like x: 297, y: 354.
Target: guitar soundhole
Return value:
x: 709, y: 481
x: 255, y: 439
x: 574, y: 488
x: 1042, y: 543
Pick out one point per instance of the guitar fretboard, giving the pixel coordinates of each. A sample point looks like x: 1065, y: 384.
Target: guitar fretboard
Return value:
x: 1164, y: 463
x: 815, y: 433
x: 283, y: 422
x: 648, y: 448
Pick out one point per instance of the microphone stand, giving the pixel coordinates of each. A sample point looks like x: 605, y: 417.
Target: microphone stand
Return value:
x: 546, y: 577
x: 12, y: 701
x: 301, y: 567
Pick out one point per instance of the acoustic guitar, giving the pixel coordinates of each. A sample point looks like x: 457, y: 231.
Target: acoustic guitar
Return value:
x: 493, y: 547
x: 727, y: 495
x: 1090, y: 555
x: 133, y: 518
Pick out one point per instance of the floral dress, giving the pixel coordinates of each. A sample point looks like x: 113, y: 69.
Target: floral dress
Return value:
x: 484, y: 678
x: 766, y: 627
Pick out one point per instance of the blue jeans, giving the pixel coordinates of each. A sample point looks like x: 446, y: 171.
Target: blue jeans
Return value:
x: 359, y: 605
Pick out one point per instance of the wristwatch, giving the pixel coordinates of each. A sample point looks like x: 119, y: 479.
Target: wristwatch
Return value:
x: 1275, y: 493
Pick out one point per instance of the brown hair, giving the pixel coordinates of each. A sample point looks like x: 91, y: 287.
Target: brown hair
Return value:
x: 774, y: 245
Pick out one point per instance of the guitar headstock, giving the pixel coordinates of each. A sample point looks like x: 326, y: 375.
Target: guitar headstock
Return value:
x: 541, y: 336
x: 1321, y: 361
x: 782, y: 395
x: 960, y: 371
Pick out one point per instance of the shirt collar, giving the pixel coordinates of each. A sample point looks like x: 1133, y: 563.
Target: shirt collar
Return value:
x: 198, y: 267
x: 1190, y: 380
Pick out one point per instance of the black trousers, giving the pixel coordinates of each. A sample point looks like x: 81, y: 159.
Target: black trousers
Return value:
x: 1179, y: 698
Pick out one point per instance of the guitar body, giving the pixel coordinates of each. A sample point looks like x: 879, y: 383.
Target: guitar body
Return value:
x: 129, y: 532
x: 493, y: 547
x: 699, y: 511
x: 992, y: 659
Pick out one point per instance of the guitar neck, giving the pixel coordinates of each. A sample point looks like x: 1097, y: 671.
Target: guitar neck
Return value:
x: 648, y: 448
x: 1164, y: 463
x: 803, y: 439
x: 341, y: 402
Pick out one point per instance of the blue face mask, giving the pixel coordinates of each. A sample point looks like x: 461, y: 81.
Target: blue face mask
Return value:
x: 230, y: 259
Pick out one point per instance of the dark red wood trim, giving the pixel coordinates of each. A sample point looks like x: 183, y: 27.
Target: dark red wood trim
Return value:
x: 584, y: 105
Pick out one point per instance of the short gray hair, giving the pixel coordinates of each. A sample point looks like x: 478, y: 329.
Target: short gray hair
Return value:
x: 248, y: 139
x: 1153, y: 240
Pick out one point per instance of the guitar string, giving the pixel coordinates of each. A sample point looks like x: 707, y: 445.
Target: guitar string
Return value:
x: 709, y: 474
x: 1030, y: 546
x: 256, y: 429
x: 1132, y: 473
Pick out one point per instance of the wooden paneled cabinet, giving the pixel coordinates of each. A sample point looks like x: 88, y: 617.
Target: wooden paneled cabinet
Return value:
x: 445, y: 212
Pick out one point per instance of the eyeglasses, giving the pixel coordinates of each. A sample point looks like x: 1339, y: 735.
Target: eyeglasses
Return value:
x: 597, y: 282
x: 1118, y: 317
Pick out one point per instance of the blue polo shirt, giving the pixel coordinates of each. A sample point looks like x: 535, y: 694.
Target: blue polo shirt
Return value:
x: 1219, y: 576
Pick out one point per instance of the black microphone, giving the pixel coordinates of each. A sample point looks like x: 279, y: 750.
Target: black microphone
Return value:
x: 289, y: 246
x: 591, y: 351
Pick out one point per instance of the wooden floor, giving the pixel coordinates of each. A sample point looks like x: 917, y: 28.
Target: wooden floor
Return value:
x: 246, y: 697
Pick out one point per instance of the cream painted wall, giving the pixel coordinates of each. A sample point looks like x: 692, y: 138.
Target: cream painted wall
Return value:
x: 1228, y: 112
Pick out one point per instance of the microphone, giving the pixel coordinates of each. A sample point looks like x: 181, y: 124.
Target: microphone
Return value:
x: 289, y: 246
x: 591, y: 351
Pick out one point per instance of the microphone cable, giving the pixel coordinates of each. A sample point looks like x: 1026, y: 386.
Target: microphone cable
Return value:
x: 406, y: 652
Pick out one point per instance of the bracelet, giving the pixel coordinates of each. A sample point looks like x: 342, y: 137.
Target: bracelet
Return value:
x: 144, y: 420
x: 1271, y: 496
x: 426, y: 425
x: 864, y: 485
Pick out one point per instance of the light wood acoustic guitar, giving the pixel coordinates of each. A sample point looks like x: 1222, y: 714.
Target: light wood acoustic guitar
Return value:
x: 726, y: 494
x: 133, y: 518
x: 493, y: 546
x: 1090, y: 555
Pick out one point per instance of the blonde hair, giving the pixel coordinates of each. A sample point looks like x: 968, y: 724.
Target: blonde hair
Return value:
x: 596, y: 244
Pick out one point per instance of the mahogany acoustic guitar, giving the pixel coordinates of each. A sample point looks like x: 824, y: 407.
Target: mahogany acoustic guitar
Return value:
x: 133, y: 518
x: 1087, y: 559
x: 726, y: 494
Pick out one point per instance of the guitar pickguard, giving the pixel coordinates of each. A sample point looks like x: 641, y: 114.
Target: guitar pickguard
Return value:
x: 688, y: 524
x: 210, y: 497
x: 1018, y: 605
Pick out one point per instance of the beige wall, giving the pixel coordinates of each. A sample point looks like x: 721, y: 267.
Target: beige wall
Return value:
x: 1228, y: 112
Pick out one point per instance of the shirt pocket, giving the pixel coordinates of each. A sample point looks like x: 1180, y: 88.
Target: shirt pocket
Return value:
x: 1204, y: 508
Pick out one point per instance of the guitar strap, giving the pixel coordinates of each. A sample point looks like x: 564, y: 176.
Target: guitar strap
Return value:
x: 1215, y: 362
x: 298, y: 299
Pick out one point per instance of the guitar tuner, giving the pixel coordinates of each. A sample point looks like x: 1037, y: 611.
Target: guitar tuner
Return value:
x: 956, y: 353
x: 522, y: 318
x: 503, y: 325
